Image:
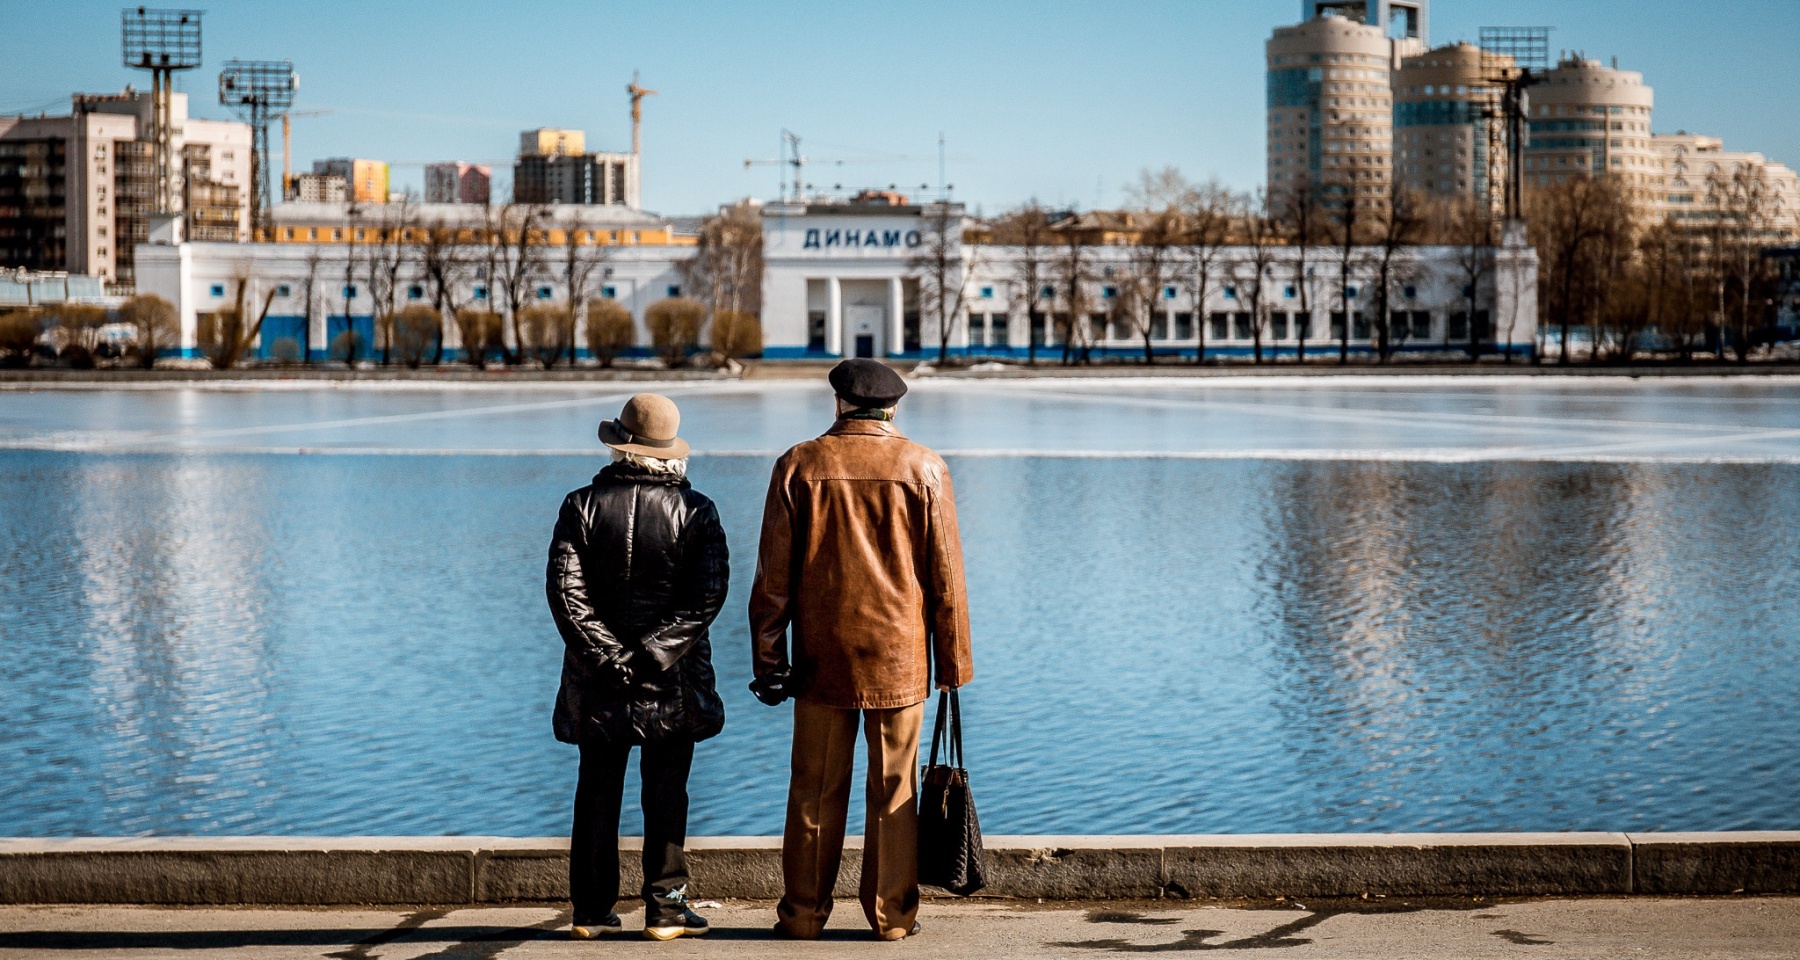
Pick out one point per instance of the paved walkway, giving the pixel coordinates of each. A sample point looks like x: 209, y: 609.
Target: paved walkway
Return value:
x: 1749, y: 927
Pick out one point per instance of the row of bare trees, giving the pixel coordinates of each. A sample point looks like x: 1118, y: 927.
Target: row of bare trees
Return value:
x: 1614, y: 290
x: 1670, y: 289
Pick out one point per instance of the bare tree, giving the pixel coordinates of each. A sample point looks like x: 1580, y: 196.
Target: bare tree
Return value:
x: 727, y: 269
x: 942, y: 267
x: 1208, y: 213
x: 545, y: 332
x: 1262, y: 237
x: 20, y: 329
x: 1302, y: 225
x: 387, y: 257
x: 155, y: 324
x: 583, y: 259
x: 443, y: 261
x: 1347, y: 234
x: 1398, y: 226
x: 1470, y: 232
x: 224, y: 335
x: 1026, y: 229
x: 1071, y: 267
x: 1742, y: 205
x: 482, y: 332
x: 515, y: 243
x: 349, y: 337
x: 1570, y: 222
x: 1157, y: 199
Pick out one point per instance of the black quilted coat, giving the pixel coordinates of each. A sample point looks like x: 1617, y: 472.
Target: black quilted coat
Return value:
x: 638, y: 570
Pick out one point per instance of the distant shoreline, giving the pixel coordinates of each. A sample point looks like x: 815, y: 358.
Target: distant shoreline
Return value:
x: 32, y: 378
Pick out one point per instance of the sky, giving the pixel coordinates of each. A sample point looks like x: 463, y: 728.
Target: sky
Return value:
x: 1060, y: 101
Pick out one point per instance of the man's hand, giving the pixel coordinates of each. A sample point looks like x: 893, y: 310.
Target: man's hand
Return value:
x: 772, y: 688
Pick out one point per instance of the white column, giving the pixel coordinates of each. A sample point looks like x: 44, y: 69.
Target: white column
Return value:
x: 834, y: 317
x: 896, y: 317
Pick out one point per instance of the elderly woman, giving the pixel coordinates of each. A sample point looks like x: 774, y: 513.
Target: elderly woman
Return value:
x: 638, y: 570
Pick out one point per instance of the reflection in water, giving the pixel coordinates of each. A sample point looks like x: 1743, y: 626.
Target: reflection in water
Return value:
x: 357, y: 645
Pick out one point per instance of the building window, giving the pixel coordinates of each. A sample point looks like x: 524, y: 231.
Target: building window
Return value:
x: 977, y: 330
x: 1421, y: 325
x: 1289, y: 292
x: 1107, y: 293
x: 674, y: 291
x: 481, y: 293
x: 350, y: 292
x: 1184, y: 326
x: 1240, y: 325
x: 1350, y: 293
x: 998, y: 333
x: 415, y: 292
x: 987, y: 293
x: 217, y: 290
x: 543, y: 293
x: 609, y: 292
x: 1168, y: 293
x: 1411, y: 291
x: 1278, y: 325
x: 1048, y: 293
x: 284, y: 291
x: 1218, y: 323
x: 815, y: 331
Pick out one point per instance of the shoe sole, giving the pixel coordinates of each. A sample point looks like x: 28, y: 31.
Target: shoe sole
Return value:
x: 594, y: 933
x: 671, y: 933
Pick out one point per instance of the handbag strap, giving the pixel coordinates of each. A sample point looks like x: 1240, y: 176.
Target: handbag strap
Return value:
x: 956, y: 727
x: 938, y: 729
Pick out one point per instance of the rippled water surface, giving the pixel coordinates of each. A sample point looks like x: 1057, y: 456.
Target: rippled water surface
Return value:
x: 1226, y: 625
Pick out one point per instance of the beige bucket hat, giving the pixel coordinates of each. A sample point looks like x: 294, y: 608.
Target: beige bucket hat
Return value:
x: 647, y: 427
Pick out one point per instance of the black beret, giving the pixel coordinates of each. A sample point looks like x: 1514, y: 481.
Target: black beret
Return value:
x: 867, y: 383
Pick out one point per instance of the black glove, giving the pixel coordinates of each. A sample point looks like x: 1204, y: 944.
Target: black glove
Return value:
x: 772, y: 688
x: 614, y: 675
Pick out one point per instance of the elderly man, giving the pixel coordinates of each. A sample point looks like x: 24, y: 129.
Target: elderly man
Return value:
x: 638, y: 570
x: 861, y: 558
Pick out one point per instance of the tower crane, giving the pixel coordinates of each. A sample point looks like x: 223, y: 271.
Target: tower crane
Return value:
x: 287, y: 173
x: 791, y: 157
x: 637, y: 93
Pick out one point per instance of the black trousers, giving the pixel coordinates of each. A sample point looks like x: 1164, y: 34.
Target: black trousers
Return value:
x: 594, y: 840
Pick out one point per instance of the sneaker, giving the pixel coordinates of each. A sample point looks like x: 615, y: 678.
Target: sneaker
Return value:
x: 606, y: 926
x: 687, y: 923
x: 891, y: 935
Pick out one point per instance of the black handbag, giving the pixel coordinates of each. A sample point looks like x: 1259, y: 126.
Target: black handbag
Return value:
x: 949, y: 834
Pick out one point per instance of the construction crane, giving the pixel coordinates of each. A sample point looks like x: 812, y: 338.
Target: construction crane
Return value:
x: 791, y: 157
x: 638, y: 94
x: 287, y: 148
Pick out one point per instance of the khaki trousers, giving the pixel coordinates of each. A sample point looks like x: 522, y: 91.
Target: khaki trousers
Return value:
x: 818, y: 801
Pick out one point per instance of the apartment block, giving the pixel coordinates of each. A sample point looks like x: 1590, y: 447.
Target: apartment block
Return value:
x: 77, y: 190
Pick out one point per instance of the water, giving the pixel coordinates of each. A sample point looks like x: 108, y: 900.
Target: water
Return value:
x: 1419, y: 605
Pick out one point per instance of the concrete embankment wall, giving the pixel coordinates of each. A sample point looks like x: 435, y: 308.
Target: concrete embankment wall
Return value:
x: 460, y: 870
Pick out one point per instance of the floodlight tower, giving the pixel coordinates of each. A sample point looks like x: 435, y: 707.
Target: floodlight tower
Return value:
x: 162, y: 42
x: 1517, y: 60
x: 259, y: 91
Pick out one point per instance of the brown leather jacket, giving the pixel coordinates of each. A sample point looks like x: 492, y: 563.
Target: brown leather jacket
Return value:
x: 860, y: 554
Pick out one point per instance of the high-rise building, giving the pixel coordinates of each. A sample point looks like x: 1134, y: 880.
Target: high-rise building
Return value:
x: 1449, y: 134
x: 458, y: 183
x: 77, y: 190
x: 1702, y: 181
x: 1330, y: 111
x: 552, y: 168
x: 552, y: 142
x: 1398, y: 19
x: 321, y: 188
x: 1590, y: 119
x: 367, y: 179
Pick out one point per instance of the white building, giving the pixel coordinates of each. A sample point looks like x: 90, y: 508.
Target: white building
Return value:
x: 842, y: 279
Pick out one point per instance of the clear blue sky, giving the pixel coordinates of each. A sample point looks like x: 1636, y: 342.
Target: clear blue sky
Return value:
x: 1059, y: 100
